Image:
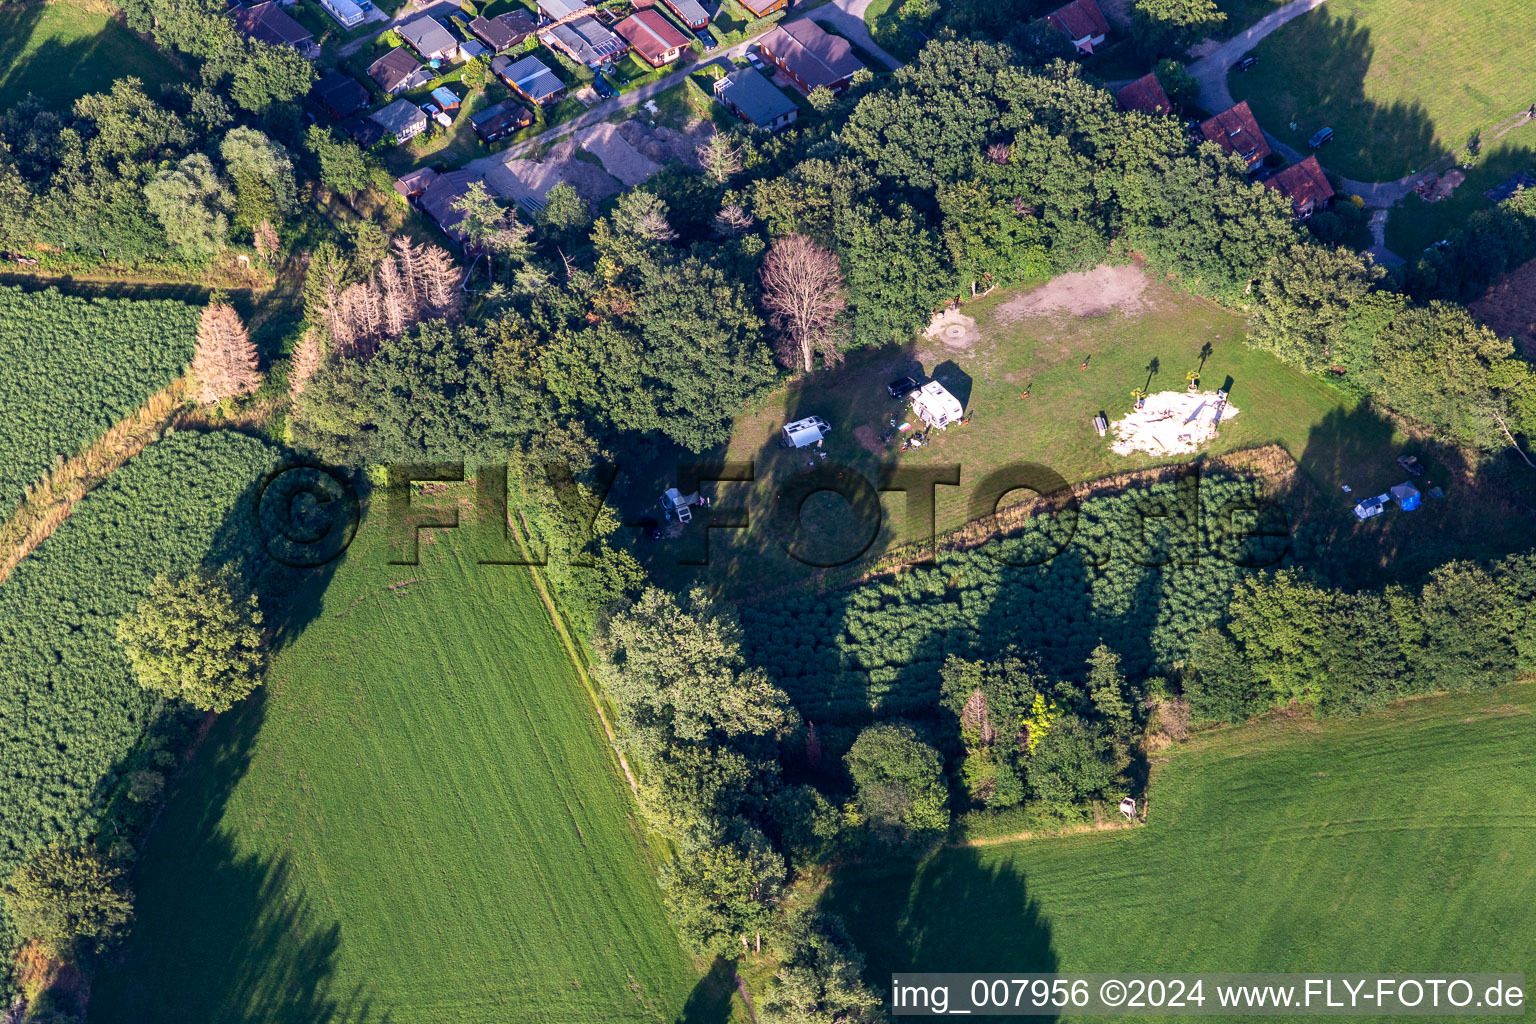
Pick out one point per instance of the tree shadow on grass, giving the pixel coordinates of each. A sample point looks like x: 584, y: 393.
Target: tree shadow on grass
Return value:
x: 955, y: 911
x: 222, y: 935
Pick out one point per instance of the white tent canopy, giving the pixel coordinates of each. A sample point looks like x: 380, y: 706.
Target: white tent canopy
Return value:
x: 935, y: 406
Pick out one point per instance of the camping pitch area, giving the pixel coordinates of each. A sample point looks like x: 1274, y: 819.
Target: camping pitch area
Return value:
x: 420, y: 821
x: 1399, y: 842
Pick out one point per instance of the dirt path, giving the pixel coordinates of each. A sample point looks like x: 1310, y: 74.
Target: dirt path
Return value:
x: 1054, y: 833
x: 1096, y: 292
x: 53, y: 499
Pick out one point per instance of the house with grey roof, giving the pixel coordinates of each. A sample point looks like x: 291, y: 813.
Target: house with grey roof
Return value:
x: 529, y: 78
x: 402, y: 119
x: 398, y: 71
x: 585, y: 41
x: 428, y: 37
x: 755, y: 99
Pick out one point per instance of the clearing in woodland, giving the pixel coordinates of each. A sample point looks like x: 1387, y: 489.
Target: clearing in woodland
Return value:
x: 1395, y: 842
x: 418, y: 820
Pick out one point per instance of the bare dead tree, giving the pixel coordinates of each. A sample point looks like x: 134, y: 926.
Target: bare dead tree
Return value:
x: 803, y: 293
x: 305, y: 362
x: 224, y: 365
x: 732, y: 221
x: 408, y: 258
x: 999, y: 153
x: 438, y: 281
x: 720, y: 157
x: 264, y: 239
x: 392, y: 299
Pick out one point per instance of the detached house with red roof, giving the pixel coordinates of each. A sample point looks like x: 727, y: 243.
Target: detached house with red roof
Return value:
x: 810, y: 56
x: 1082, y: 22
x: 1305, y: 185
x: 1235, y: 131
x: 1146, y: 95
x: 652, y: 36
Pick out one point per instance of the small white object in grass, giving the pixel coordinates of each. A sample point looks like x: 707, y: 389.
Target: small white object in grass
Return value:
x: 652, y: 107
x: 1346, y: 488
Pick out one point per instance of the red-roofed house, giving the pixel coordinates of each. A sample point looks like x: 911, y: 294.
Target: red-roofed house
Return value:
x: 652, y: 36
x: 810, y: 56
x: 1305, y: 185
x: 1146, y: 95
x: 1235, y: 131
x: 1082, y: 22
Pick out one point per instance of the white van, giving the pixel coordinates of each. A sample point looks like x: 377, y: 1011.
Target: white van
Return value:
x: 803, y: 432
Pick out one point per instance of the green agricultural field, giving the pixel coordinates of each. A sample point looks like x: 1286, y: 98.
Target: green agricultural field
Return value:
x: 420, y: 822
x: 1334, y: 440
x: 1395, y: 842
x: 1397, y: 83
x: 61, y: 51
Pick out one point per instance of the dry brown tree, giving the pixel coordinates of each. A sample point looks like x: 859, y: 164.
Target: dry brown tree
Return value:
x: 732, y: 221
x: 803, y: 293
x: 264, y: 238
x: 225, y: 362
x: 304, y: 362
x: 720, y: 157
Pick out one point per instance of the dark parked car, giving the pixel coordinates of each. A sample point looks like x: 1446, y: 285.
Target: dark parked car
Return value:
x: 1247, y: 61
x: 604, y: 87
x: 903, y: 387
x: 1321, y: 137
x: 1411, y: 464
x: 708, y: 39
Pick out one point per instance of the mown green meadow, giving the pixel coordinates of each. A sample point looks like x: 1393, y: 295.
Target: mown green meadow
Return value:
x: 61, y: 51
x: 1399, y: 841
x: 1401, y: 82
x: 419, y: 820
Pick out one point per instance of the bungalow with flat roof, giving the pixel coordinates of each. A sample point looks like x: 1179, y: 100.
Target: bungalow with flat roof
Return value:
x: 810, y: 55
x: 1236, y: 131
x: 498, y: 121
x: 428, y: 37
x: 652, y: 36
x: 585, y: 41
x: 1082, y: 22
x: 1305, y: 185
x: 341, y: 95
x: 505, y: 32
x: 398, y: 71
x: 563, y: 10
x: 346, y: 13
x: 691, y: 11
x: 763, y: 8
x: 755, y: 99
x: 528, y: 78
x: 266, y: 23
x: 402, y: 119
x: 1146, y: 95
x: 437, y: 201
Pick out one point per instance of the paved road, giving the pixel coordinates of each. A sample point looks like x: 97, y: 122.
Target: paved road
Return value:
x: 847, y: 16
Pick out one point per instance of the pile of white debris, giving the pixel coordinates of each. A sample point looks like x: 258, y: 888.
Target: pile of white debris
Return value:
x: 1172, y: 423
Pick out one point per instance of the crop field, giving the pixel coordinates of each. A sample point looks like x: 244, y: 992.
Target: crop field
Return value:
x: 61, y: 51
x: 1398, y: 842
x: 420, y: 821
x: 69, y: 706
x: 1151, y: 339
x: 72, y: 367
x: 1397, y: 86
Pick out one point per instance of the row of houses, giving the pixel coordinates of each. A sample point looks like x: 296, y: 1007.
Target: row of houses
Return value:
x: 1237, y: 131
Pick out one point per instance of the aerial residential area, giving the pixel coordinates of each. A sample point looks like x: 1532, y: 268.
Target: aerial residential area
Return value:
x: 766, y: 512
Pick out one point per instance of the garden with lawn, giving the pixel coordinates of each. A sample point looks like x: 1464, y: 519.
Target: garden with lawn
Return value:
x: 1401, y: 82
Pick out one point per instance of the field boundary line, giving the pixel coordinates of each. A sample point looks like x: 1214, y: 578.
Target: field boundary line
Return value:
x: 1050, y: 833
x: 52, y: 499
x: 573, y: 654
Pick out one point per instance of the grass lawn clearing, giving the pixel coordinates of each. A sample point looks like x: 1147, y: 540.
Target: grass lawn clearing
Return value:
x: 1322, y: 428
x: 1414, y: 224
x: 1397, y: 87
x: 420, y: 818
x: 62, y: 51
x: 1396, y: 842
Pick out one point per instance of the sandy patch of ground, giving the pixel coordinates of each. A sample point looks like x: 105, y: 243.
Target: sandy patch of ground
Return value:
x: 606, y: 142
x: 1117, y: 12
x: 1098, y: 292
x: 518, y: 178
x: 1171, y: 423
x: 1509, y: 307
x: 1204, y: 48
x: 668, y: 145
x: 867, y: 437
x: 954, y: 330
